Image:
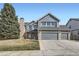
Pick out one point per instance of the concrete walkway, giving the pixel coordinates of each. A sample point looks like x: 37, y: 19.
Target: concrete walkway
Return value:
x: 49, y: 48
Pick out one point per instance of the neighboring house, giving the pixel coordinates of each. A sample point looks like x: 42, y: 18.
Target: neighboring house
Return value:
x: 26, y: 26
x: 31, y: 31
x: 48, y: 28
x: 26, y: 29
x: 73, y: 24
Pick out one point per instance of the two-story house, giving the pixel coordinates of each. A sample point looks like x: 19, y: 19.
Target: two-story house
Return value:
x: 48, y: 28
x: 73, y: 24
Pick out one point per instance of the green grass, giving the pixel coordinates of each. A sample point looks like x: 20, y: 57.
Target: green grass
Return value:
x: 19, y: 45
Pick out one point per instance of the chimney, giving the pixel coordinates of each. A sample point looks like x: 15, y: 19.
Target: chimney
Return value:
x: 22, y: 28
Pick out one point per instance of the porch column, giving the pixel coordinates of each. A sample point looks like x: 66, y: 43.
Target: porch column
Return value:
x: 39, y: 35
x: 69, y: 34
x: 59, y: 36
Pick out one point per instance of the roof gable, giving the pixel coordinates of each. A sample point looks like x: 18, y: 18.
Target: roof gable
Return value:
x: 75, y: 19
x: 50, y: 16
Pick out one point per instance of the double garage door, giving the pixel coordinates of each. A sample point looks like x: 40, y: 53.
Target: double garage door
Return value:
x: 49, y: 36
x: 53, y: 36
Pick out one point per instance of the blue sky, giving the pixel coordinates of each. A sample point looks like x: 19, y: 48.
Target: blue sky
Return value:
x: 33, y: 11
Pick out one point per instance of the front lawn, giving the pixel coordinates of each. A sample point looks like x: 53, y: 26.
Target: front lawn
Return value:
x: 17, y: 45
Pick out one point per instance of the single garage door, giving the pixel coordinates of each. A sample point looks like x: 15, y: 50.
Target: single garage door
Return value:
x: 49, y: 36
x: 64, y: 36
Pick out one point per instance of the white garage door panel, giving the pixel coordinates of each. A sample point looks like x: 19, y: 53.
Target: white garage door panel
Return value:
x: 64, y: 36
x: 49, y: 36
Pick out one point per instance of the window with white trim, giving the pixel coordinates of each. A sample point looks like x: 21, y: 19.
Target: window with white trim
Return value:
x: 44, y: 23
x: 48, y: 23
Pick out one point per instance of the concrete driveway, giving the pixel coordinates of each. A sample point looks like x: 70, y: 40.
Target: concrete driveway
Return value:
x: 58, y: 44
x: 49, y: 48
x: 60, y: 47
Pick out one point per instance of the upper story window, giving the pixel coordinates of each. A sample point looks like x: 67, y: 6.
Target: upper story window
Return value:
x: 48, y: 23
x: 30, y: 27
x: 35, y: 26
x: 53, y: 23
x: 44, y: 23
x: 70, y: 26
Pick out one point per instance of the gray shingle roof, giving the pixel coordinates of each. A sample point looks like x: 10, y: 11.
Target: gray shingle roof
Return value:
x: 50, y: 16
x: 75, y: 19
